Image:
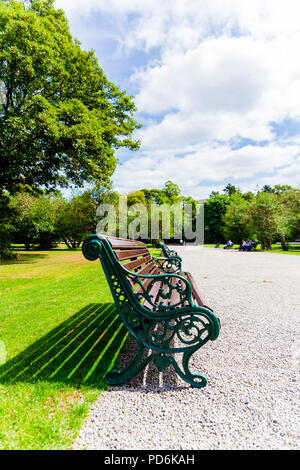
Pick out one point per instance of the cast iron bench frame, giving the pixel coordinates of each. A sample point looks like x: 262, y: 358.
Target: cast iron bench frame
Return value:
x: 167, y: 252
x: 162, y: 310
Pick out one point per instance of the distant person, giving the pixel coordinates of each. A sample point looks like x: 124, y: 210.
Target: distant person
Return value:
x: 247, y: 246
x: 251, y: 245
x: 243, y: 245
x: 229, y: 244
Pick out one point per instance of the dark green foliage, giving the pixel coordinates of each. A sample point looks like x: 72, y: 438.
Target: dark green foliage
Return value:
x: 214, y: 211
x: 34, y: 220
x: 270, y: 215
x: 236, y: 220
x: 76, y: 219
x: 6, y: 227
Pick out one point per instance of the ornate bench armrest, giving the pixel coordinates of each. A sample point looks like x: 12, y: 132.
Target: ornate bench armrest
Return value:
x: 169, y: 265
x: 171, y: 287
x: 162, y: 292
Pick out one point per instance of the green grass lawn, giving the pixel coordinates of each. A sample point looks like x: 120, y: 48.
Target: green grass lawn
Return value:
x: 61, y: 333
x: 293, y: 249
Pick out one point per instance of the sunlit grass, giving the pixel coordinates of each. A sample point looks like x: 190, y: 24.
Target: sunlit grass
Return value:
x: 61, y: 333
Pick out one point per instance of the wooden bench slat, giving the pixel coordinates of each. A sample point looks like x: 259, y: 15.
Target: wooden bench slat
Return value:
x: 197, y: 296
x: 146, y: 281
x: 137, y: 263
x: 147, y: 269
x: 123, y: 243
x: 129, y: 254
x: 175, y: 296
x: 154, y: 292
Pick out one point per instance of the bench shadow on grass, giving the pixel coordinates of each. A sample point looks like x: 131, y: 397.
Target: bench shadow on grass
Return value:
x: 78, y: 352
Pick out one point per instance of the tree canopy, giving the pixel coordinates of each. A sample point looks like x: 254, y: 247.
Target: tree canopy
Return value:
x: 61, y: 119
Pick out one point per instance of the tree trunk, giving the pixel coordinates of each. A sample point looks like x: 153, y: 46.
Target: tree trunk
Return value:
x: 67, y: 243
x: 284, y: 244
x: 269, y: 245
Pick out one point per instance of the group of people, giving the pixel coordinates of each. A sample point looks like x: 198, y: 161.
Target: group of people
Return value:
x: 247, y: 246
x: 244, y: 246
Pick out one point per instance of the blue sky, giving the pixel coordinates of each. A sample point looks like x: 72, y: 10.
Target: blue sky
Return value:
x: 216, y: 83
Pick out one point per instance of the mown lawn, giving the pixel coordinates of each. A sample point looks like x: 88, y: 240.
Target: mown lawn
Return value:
x: 61, y: 333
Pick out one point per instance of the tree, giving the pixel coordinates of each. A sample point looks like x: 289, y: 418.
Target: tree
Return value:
x: 34, y: 220
x: 60, y: 119
x: 136, y: 197
x: 171, y: 193
x: 264, y: 216
x: 77, y: 219
x: 214, y: 211
x: 230, y: 189
x: 289, y: 214
x: 236, y: 219
x: 6, y: 227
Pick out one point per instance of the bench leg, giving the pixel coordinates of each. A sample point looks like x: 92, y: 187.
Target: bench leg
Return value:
x: 118, y: 377
x: 195, y: 380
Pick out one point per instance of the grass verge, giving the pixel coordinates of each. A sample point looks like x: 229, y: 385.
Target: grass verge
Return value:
x: 59, y: 334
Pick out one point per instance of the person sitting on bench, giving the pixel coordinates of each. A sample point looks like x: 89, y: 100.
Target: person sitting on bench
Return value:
x: 243, y: 245
x: 250, y: 245
x: 247, y: 246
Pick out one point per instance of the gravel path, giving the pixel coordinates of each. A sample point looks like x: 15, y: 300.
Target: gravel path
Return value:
x: 251, y: 400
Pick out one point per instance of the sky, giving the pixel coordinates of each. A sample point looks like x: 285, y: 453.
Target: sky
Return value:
x: 216, y: 84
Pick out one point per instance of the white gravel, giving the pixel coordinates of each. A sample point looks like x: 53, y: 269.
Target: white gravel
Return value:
x: 251, y: 400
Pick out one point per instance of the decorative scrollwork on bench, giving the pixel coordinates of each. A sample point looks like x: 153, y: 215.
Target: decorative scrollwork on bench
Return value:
x: 162, y: 292
x: 189, y: 329
x: 168, y: 264
x: 91, y: 248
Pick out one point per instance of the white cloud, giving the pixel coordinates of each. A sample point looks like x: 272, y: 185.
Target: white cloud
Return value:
x: 213, y: 164
x: 223, y: 70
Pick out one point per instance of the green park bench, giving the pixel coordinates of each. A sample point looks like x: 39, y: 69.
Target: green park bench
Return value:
x: 167, y: 252
x: 162, y: 309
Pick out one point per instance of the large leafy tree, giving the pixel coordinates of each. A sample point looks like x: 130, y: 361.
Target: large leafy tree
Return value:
x: 289, y: 214
x: 60, y: 118
x: 214, y: 211
x: 34, y: 219
x: 76, y: 219
x: 236, y: 220
x: 264, y: 213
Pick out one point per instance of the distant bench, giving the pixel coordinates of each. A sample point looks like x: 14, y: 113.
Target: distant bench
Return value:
x: 167, y: 252
x: 162, y: 309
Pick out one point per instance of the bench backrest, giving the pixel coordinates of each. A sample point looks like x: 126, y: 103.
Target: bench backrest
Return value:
x: 133, y: 255
x: 120, y: 254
